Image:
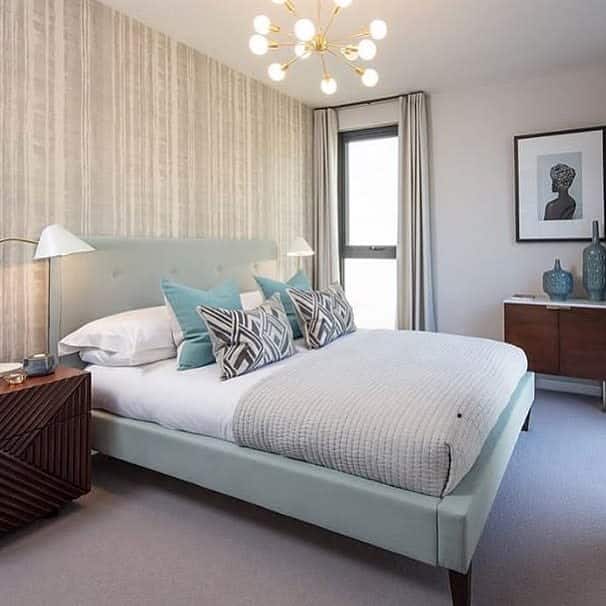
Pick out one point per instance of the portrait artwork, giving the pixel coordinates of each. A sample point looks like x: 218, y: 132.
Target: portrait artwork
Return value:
x: 560, y: 187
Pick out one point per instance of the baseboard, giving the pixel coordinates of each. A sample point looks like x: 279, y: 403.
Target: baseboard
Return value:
x: 569, y: 385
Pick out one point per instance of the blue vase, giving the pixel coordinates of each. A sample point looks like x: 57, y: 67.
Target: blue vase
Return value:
x: 558, y: 283
x: 594, y: 266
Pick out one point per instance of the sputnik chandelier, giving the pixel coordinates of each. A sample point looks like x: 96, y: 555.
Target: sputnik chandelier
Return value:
x: 312, y: 38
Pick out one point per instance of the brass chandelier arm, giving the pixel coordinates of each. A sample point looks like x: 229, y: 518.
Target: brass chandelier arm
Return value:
x: 340, y: 46
x: 289, y: 5
x: 292, y: 61
x: 333, y: 15
x: 359, y: 70
x: 361, y: 34
x: 324, y: 69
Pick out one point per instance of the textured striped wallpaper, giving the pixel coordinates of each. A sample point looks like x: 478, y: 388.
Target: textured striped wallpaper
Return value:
x: 111, y: 128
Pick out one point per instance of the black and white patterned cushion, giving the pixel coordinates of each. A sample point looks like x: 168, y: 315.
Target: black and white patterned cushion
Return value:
x: 244, y: 341
x: 324, y: 315
x: 343, y: 310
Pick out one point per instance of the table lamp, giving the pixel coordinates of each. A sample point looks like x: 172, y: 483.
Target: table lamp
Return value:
x: 55, y: 241
x: 300, y: 248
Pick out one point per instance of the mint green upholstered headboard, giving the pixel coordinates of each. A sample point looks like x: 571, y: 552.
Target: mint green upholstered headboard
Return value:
x: 125, y: 274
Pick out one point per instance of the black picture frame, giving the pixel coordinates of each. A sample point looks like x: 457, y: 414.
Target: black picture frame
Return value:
x: 519, y: 138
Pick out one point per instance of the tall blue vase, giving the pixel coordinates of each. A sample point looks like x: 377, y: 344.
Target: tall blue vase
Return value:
x: 558, y: 283
x: 594, y: 266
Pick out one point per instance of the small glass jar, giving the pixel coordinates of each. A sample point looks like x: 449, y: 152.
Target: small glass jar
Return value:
x: 15, y: 378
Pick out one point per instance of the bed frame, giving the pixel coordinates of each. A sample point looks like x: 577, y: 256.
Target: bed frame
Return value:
x: 443, y: 532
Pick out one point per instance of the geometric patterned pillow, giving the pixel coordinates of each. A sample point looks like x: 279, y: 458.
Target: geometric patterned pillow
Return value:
x: 244, y: 341
x: 342, y: 309
x: 317, y: 319
x: 324, y: 315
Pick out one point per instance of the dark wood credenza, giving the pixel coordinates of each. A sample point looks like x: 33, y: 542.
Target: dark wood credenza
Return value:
x: 565, y: 339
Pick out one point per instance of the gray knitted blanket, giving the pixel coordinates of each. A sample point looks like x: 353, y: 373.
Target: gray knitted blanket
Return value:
x: 407, y: 409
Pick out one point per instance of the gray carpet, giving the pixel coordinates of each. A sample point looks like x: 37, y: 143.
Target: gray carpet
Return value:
x: 141, y: 538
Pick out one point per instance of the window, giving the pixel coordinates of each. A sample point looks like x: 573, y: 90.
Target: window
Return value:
x: 368, y: 179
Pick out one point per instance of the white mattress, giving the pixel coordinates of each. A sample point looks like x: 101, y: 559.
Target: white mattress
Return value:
x: 196, y: 401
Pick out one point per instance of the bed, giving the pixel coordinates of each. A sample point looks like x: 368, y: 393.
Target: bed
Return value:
x: 440, y: 530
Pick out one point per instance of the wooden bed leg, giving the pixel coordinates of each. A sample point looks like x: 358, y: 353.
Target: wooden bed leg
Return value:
x: 526, y: 425
x: 460, y: 588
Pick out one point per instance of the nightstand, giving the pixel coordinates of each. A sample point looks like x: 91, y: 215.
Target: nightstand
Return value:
x: 44, y: 445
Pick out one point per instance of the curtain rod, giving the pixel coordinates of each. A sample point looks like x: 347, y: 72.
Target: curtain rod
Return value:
x: 370, y: 101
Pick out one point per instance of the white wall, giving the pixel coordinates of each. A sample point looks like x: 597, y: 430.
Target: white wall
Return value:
x: 477, y: 261
x: 368, y: 116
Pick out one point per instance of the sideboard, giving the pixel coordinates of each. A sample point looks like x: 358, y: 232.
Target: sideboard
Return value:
x: 565, y: 339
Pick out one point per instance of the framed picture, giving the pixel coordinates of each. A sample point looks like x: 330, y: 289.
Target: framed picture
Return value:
x: 560, y: 184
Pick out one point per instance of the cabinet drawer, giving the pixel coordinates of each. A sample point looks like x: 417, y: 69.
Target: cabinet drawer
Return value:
x: 583, y: 343
x: 535, y: 328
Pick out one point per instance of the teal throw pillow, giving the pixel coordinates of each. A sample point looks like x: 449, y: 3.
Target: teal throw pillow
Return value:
x: 270, y: 287
x: 193, y: 340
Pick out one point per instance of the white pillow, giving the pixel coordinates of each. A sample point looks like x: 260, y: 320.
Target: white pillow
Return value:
x: 131, y: 338
x: 176, y: 332
x: 251, y: 299
x: 100, y: 357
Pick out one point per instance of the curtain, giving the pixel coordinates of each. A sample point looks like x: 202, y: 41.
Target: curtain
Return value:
x: 325, y: 193
x: 415, y: 282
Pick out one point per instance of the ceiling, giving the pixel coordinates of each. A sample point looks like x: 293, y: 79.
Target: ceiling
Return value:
x: 433, y: 45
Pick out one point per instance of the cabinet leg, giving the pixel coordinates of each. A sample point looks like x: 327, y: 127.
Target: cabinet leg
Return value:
x: 526, y: 425
x: 460, y: 588
x: 603, y: 396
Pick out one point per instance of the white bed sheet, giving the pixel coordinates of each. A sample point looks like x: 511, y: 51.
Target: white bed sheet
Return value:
x: 196, y: 401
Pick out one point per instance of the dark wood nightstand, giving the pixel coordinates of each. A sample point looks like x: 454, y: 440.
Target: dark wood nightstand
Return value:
x: 44, y: 445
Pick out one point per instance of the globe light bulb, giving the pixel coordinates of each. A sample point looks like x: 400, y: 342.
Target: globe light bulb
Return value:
x: 370, y: 77
x: 328, y: 85
x: 378, y: 29
x: 367, y: 49
x: 258, y: 44
x: 262, y: 24
x: 343, y: 3
x: 276, y: 72
x: 302, y: 51
x: 305, y: 29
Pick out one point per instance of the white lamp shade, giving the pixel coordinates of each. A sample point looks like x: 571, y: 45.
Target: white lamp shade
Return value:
x: 300, y: 248
x: 56, y: 241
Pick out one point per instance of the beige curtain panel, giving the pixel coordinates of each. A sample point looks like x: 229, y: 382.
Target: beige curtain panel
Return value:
x: 326, y: 192
x: 415, y: 281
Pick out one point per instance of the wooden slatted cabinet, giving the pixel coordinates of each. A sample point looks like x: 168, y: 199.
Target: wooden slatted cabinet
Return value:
x: 45, y: 458
x: 564, y: 339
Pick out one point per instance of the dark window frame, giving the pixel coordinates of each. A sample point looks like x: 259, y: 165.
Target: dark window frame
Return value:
x: 347, y: 251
